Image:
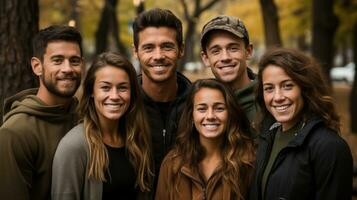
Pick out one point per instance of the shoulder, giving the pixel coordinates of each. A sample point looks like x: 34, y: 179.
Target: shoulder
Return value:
x: 73, y: 141
x: 170, y: 161
x: 327, y: 141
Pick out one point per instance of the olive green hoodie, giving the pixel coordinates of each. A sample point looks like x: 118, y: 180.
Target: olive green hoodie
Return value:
x: 28, y: 140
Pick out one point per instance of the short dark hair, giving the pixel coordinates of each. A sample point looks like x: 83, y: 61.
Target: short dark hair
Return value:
x: 157, y: 18
x: 54, y: 33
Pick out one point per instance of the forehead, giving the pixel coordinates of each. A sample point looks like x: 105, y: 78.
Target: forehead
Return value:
x: 110, y: 73
x: 208, y: 96
x: 157, y: 34
x: 274, y: 73
x: 219, y: 37
x: 64, y: 48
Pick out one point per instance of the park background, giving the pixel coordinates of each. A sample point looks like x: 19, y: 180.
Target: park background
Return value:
x: 325, y: 29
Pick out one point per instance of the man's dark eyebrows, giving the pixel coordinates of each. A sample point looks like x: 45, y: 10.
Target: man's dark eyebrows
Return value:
x: 57, y: 56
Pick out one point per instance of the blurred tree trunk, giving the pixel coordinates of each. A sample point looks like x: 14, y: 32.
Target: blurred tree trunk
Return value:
x: 18, y: 24
x: 192, y: 19
x: 271, y: 23
x: 108, y: 29
x: 324, y: 25
x: 353, y: 95
x: 75, y: 14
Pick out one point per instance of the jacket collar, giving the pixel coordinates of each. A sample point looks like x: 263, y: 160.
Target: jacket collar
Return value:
x: 184, y: 84
x: 302, y: 134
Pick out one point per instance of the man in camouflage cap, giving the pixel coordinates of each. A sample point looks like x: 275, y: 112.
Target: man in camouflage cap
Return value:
x: 226, y: 49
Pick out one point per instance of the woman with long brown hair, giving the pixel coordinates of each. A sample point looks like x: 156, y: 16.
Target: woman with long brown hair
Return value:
x: 214, y: 156
x: 107, y: 156
x: 300, y: 153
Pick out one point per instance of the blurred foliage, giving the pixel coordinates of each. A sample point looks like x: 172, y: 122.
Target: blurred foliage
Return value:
x: 295, y: 17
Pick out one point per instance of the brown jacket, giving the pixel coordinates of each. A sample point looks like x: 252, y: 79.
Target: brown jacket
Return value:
x: 190, y: 185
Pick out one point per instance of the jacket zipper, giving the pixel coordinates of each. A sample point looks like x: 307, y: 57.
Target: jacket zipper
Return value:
x: 164, y: 136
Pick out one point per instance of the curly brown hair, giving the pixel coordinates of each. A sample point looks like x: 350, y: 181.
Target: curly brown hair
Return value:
x: 306, y: 73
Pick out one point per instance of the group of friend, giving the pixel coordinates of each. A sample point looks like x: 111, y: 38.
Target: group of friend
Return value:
x: 271, y: 135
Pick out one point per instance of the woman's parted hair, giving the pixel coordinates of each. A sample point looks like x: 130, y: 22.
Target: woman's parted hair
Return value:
x: 307, y: 74
x: 133, y: 124
x: 237, y: 147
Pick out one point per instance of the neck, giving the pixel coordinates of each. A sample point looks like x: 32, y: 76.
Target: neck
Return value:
x: 160, y: 91
x: 52, y: 99
x: 110, y: 133
x: 212, y: 147
x: 240, y: 82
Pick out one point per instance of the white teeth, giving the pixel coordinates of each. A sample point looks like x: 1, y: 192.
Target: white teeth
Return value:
x: 210, y: 126
x: 280, y: 108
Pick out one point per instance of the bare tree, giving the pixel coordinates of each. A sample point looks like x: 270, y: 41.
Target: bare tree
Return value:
x: 18, y: 24
x: 192, y: 19
x: 271, y: 23
x: 108, y: 26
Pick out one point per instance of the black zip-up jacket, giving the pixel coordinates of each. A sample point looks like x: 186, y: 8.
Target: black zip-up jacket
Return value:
x: 163, y: 133
x: 316, y: 164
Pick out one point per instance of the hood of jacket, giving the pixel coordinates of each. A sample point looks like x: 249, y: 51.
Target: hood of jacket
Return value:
x: 27, y: 102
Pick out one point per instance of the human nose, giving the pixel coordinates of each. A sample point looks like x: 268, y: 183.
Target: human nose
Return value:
x: 210, y: 114
x: 225, y: 56
x: 67, y: 66
x: 279, y: 95
x: 114, y: 93
x: 158, y: 54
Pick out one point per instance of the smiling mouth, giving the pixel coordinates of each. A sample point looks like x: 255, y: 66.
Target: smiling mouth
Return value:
x: 211, y: 126
x: 281, y: 108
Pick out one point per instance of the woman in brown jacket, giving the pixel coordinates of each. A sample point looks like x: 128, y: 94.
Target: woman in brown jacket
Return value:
x: 213, y: 156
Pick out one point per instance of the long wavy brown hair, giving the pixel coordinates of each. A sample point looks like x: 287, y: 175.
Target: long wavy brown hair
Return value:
x: 306, y: 73
x: 237, y: 149
x: 133, y: 124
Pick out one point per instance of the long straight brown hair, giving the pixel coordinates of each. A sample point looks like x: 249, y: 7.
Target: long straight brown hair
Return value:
x: 133, y: 124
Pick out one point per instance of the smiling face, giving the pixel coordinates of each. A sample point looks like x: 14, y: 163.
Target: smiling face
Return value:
x: 60, y: 70
x: 227, y: 55
x: 158, y: 53
x: 282, y: 96
x: 111, y: 93
x: 210, y: 114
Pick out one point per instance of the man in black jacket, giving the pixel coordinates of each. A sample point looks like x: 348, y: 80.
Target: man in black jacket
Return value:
x: 158, y: 45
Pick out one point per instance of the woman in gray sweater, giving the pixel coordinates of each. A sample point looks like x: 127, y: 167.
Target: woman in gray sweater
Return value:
x: 107, y: 156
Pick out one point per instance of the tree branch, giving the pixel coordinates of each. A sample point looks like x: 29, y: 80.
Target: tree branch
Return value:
x: 207, y: 6
x: 185, y: 10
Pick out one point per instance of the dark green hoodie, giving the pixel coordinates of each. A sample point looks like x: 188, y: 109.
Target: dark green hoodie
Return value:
x: 28, y: 140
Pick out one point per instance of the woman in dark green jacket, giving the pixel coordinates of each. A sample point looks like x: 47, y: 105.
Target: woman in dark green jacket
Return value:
x: 300, y: 153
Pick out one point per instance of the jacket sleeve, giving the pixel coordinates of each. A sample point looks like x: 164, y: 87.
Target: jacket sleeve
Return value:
x: 332, y: 162
x: 16, y: 168
x: 162, y: 190
x: 68, y: 170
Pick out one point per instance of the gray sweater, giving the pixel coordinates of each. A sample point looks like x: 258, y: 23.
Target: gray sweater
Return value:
x: 70, y: 169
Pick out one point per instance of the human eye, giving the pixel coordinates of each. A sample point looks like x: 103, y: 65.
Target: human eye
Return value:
x: 123, y: 88
x: 147, y: 48
x: 168, y: 46
x: 57, y: 60
x: 214, y: 51
x: 220, y: 108
x: 75, y: 61
x: 268, y: 88
x: 288, y: 85
x: 234, y: 48
x: 105, y: 88
x: 201, y: 109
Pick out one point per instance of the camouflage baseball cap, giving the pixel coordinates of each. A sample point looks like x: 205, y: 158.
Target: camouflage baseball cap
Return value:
x: 226, y: 23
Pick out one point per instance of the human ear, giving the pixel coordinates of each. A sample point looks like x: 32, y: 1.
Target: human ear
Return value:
x: 205, y: 59
x: 36, y: 65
